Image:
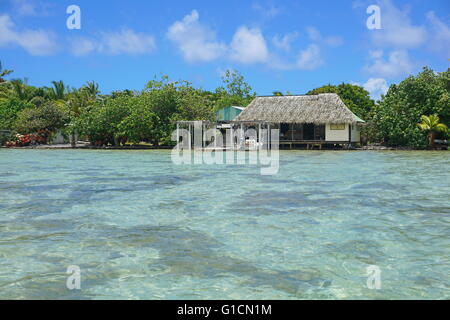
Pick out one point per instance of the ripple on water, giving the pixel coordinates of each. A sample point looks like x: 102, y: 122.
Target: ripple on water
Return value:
x: 140, y: 227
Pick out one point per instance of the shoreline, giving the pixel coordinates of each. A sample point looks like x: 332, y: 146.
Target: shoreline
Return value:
x: 128, y: 148
x: 85, y: 147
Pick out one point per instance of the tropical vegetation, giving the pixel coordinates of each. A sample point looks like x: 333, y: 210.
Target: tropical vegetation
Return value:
x: 432, y: 126
x: 149, y: 116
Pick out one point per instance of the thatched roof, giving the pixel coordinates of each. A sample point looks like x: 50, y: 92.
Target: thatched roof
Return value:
x: 318, y: 109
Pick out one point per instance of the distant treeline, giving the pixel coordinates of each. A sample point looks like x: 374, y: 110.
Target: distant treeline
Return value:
x: 149, y: 115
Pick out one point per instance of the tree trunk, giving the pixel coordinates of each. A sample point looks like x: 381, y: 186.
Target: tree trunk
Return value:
x: 431, y: 140
x: 72, y: 140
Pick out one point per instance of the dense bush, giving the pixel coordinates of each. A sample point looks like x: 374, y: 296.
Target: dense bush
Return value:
x: 123, y: 116
x: 4, y: 138
x: 395, y: 118
x: 140, y: 125
x: 100, y: 121
x: 148, y: 116
x: 47, y: 118
x: 9, y: 110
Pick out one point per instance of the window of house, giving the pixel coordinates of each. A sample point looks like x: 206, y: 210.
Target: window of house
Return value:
x: 337, y: 126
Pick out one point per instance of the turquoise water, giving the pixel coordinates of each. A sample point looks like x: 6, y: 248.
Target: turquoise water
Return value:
x: 140, y: 227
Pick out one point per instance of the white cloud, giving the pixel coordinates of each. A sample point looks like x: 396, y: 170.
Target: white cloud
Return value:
x: 31, y: 7
x: 284, y: 43
x: 248, y: 46
x: 195, y: 41
x: 125, y: 41
x: 82, y: 46
x: 35, y: 42
x: 358, y: 4
x: 24, y: 7
x: 315, y: 35
x: 397, y: 64
x: 397, y: 31
x: 376, y: 54
x: 307, y: 59
x: 440, y: 38
x: 310, y: 58
x: 267, y: 12
x: 376, y: 87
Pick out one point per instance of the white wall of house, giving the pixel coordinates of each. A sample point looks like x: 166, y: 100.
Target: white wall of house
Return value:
x: 342, y: 135
x: 356, y: 133
x: 336, y: 135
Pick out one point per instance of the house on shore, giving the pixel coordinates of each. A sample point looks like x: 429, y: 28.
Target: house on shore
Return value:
x: 321, y: 119
x: 302, y: 121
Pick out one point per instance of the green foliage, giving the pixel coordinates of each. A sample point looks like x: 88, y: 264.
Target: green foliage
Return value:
x: 236, y: 92
x: 432, y: 126
x: 58, y: 91
x: 5, y: 137
x: 396, y: 116
x: 9, y: 109
x: 100, y: 121
x: 176, y: 100
x: 4, y: 73
x: 150, y: 115
x: 140, y: 125
x: 19, y: 89
x: 280, y: 94
x: 122, y: 116
x: 49, y: 118
x: 356, y: 98
x: 91, y: 89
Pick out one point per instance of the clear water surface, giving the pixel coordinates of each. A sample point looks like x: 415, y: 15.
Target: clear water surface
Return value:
x: 140, y: 227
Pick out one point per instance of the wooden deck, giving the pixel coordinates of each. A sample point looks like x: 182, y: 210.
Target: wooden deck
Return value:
x: 311, y: 144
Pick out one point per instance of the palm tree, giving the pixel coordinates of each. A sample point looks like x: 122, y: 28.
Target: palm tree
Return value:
x: 18, y: 88
x: 431, y: 125
x: 3, y: 73
x: 92, y: 88
x: 59, y: 90
x: 21, y: 90
x: 77, y: 101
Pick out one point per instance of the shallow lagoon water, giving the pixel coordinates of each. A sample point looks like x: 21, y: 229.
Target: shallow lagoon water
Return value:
x: 140, y: 227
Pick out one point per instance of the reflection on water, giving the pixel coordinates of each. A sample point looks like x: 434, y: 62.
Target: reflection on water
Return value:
x: 140, y: 227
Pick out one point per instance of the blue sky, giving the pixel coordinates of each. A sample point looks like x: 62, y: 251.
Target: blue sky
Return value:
x: 277, y: 45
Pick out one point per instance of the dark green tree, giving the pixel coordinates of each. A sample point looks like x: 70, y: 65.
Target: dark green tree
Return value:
x: 235, y: 91
x: 395, y: 118
x: 356, y: 98
x: 48, y: 118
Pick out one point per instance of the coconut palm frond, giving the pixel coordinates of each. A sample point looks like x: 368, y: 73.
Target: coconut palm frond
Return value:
x: 59, y: 90
x: 423, y: 126
x: 4, y: 72
x: 431, y: 123
x: 441, y: 127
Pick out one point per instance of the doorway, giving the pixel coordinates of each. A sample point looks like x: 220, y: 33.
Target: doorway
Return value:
x: 308, y: 131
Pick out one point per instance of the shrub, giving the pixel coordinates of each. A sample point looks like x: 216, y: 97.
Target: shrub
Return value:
x: 44, y: 120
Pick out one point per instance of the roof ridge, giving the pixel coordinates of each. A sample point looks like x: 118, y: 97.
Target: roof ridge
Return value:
x: 298, y: 95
